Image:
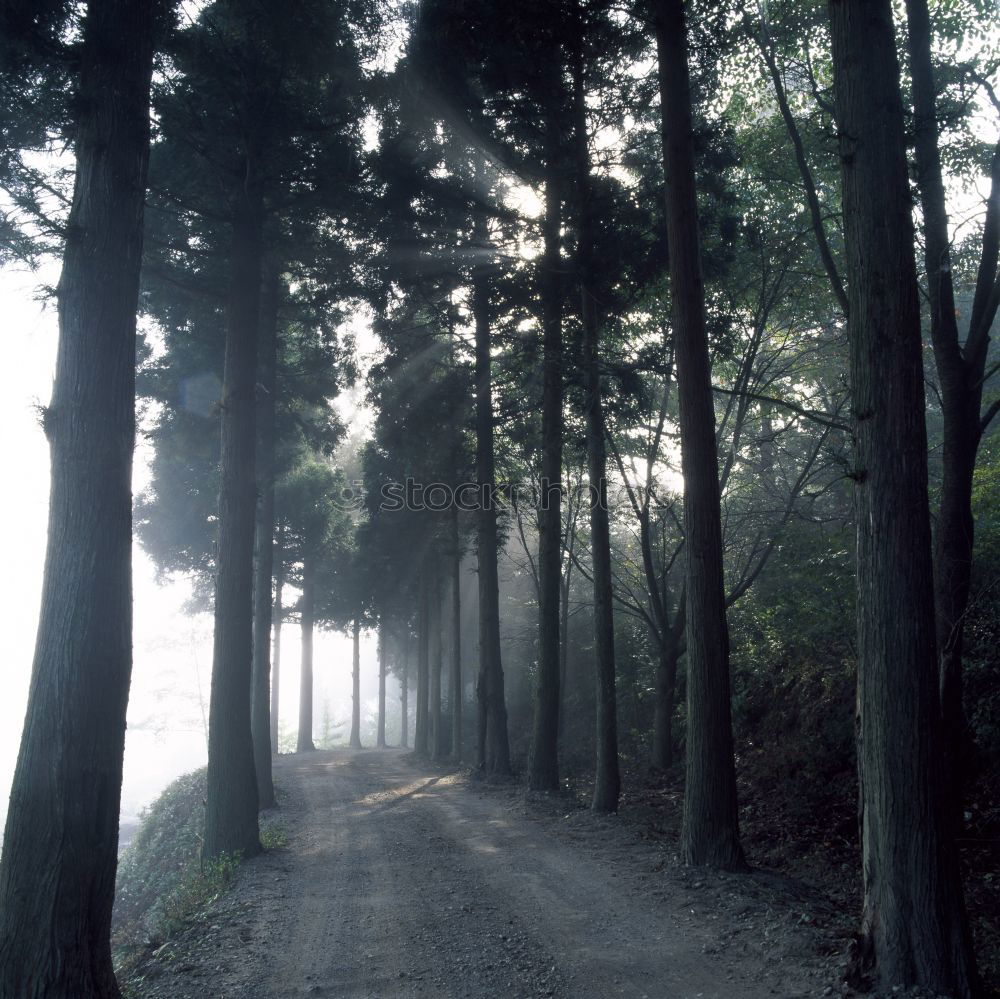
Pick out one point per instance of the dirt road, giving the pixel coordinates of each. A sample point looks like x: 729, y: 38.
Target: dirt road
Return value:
x: 395, y: 883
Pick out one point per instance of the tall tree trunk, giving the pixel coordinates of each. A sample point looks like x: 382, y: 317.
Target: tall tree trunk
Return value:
x: 264, y: 544
x: 307, y: 618
x: 404, y: 692
x: 356, y: 686
x: 711, y: 817
x: 57, y: 877
x: 434, y: 652
x: 667, y: 647
x: 607, y: 781
x: 913, y: 930
x: 960, y: 375
x: 493, y: 748
x: 563, y: 649
x: 420, y: 735
x: 278, y: 618
x: 383, y: 655
x: 455, y: 684
x: 231, y: 797
x: 543, y: 760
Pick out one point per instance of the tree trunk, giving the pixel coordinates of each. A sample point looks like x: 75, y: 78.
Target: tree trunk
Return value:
x: 420, y: 735
x: 663, y: 714
x: 711, y: 818
x: 231, y: 799
x: 960, y: 376
x: 383, y: 653
x: 564, y: 648
x: 435, y: 734
x: 455, y: 684
x: 264, y: 557
x: 356, y: 687
x: 57, y: 877
x: 493, y: 748
x: 607, y: 781
x: 279, y: 615
x: 404, y: 693
x: 308, y: 619
x: 543, y: 760
x: 913, y: 930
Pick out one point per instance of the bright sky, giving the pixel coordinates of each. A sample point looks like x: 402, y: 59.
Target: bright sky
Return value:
x: 173, y: 652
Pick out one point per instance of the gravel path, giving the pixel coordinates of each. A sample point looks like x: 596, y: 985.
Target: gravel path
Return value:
x: 399, y: 883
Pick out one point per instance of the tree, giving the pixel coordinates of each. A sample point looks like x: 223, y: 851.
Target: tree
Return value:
x: 57, y: 874
x: 543, y: 760
x: 607, y: 781
x: 278, y: 619
x: 307, y: 621
x: 711, y: 819
x: 355, y: 741
x: 264, y: 544
x: 436, y: 715
x: 404, y: 690
x: 421, y: 733
x: 913, y: 927
x: 317, y: 534
x: 493, y: 753
x: 954, y: 266
x: 431, y: 267
x: 455, y: 646
x: 259, y: 123
x: 383, y: 656
x: 231, y: 800
x: 962, y: 374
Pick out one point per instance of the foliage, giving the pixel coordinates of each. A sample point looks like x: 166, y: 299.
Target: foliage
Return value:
x: 164, y: 852
x: 982, y: 653
x: 163, y: 884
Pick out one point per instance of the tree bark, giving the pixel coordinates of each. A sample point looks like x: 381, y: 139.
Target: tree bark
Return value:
x: 435, y: 733
x: 264, y: 557
x: 404, y: 692
x: 356, y: 686
x: 231, y: 799
x: 304, y: 743
x: 493, y: 748
x: 383, y: 653
x: 421, y: 735
x: 455, y: 684
x: 57, y: 876
x: 543, y: 760
x: 711, y: 819
x: 563, y: 649
x: 279, y: 616
x: 913, y: 929
x: 607, y: 780
x: 662, y: 757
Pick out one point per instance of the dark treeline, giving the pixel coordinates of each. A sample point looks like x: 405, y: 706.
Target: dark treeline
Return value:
x: 660, y: 483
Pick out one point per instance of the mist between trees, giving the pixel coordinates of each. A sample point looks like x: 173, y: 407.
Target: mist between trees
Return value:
x: 671, y: 481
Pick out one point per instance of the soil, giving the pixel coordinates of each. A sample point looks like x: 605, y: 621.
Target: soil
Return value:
x: 399, y: 882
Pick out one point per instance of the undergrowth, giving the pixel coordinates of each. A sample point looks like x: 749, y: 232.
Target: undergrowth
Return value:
x: 163, y: 884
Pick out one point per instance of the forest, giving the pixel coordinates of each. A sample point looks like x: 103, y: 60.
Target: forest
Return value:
x: 623, y: 372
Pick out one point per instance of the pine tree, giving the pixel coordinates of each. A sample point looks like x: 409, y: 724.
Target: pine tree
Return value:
x: 711, y: 819
x: 57, y: 874
x: 913, y: 928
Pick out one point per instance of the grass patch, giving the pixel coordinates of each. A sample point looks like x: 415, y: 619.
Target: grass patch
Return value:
x: 273, y: 835
x: 190, y: 901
